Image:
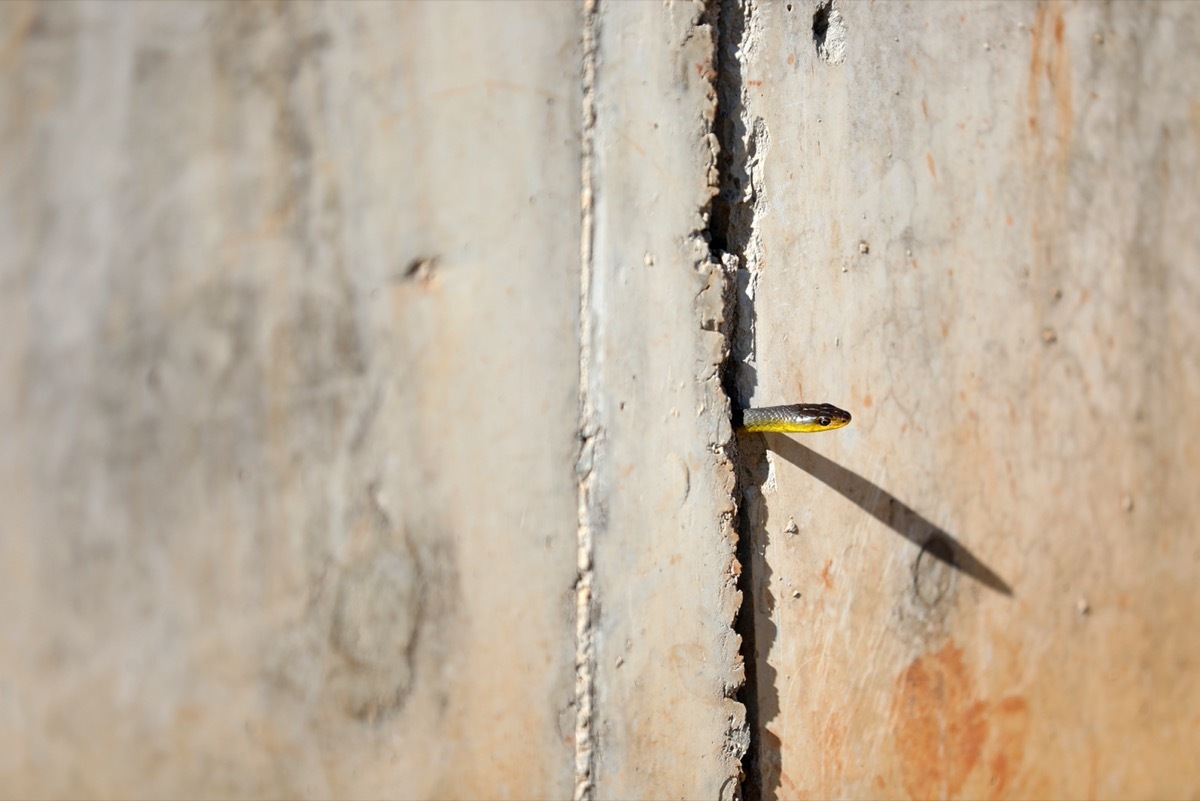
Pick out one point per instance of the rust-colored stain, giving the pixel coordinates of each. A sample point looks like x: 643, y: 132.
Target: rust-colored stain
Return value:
x: 1055, y: 67
x: 1010, y: 717
x: 940, y: 725
x: 867, y: 401
x: 932, y: 166
x: 833, y: 738
x: 943, y: 731
x: 827, y: 579
x: 924, y: 108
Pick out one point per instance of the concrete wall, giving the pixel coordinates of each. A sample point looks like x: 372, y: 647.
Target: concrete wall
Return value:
x: 363, y: 405
x: 977, y: 228
x: 290, y: 368
x: 328, y: 397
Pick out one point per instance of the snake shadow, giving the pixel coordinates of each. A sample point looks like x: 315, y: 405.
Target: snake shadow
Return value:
x: 760, y: 694
x: 887, y: 509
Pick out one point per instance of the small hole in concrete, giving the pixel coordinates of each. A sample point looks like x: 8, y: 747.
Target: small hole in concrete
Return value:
x: 821, y: 25
x: 420, y: 269
x: 829, y: 33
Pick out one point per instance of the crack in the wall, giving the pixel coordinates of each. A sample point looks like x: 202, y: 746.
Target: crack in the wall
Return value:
x: 590, y: 433
x: 734, y: 226
x: 734, y: 241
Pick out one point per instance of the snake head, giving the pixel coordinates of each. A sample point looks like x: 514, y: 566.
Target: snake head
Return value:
x: 820, y: 417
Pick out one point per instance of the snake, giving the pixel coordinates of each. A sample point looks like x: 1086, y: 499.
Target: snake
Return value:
x: 792, y: 419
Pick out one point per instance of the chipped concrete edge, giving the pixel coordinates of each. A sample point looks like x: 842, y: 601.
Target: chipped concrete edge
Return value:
x: 713, y: 307
x: 715, y: 333
x: 735, y: 176
x: 718, y: 313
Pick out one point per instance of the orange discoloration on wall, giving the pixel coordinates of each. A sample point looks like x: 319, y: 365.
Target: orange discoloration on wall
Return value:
x: 826, y: 578
x: 1049, y: 60
x: 1010, y: 716
x: 832, y: 742
x: 940, y: 726
x: 944, y: 731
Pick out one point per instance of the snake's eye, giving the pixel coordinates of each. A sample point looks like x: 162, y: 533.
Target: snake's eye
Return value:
x: 824, y: 421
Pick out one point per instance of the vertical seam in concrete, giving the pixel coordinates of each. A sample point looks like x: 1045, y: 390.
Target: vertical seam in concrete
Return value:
x: 589, y: 431
x: 733, y: 238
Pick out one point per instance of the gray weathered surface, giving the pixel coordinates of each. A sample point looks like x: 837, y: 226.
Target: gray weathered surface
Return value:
x: 1018, y: 341
x: 289, y: 297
